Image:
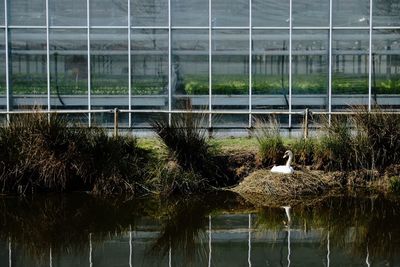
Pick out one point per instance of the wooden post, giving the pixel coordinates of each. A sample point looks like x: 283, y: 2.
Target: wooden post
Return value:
x: 116, y: 113
x: 306, y: 123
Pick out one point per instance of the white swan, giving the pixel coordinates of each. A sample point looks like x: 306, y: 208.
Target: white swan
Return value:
x: 286, y: 169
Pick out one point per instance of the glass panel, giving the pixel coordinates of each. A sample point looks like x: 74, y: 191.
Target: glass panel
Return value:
x: 230, y: 13
x: 270, y: 72
x: 27, y: 12
x: 190, y: 69
x: 350, y: 13
x: 149, y: 12
x: 68, y: 69
x: 2, y: 13
x: 67, y: 13
x: 28, y: 68
x: 310, y: 13
x: 386, y: 68
x: 310, y: 68
x: 350, y: 68
x: 230, y: 74
x: 189, y: 13
x: 149, y: 72
x: 108, y: 13
x: 109, y: 70
x: 270, y: 69
x: 3, y: 87
x: 386, y: 13
x: 270, y: 13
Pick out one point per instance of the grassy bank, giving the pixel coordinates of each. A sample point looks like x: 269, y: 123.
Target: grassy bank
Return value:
x: 39, y: 153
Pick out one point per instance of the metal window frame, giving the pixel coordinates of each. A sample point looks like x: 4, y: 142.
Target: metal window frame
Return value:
x: 370, y: 58
x: 250, y: 62
x: 89, y: 62
x: 48, y: 57
x: 330, y: 60
x: 8, y: 99
x: 290, y: 60
x: 129, y: 65
x: 210, y: 62
x: 169, y: 64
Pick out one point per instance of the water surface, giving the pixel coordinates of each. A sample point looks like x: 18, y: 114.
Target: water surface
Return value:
x: 212, y: 230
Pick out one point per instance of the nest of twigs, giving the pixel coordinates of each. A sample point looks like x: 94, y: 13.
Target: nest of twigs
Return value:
x: 281, y: 188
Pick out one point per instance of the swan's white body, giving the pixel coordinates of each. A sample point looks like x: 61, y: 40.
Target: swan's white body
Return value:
x: 285, y: 169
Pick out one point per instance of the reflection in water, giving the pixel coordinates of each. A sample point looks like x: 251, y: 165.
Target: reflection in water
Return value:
x: 82, y: 230
x: 130, y: 246
x: 328, y: 249
x: 249, y: 252
x: 209, y: 241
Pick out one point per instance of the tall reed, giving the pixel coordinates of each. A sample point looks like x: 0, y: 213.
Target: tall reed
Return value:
x: 270, y: 142
x: 43, y: 153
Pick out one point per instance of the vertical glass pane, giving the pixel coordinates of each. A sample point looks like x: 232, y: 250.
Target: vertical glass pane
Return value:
x: 270, y: 71
x: 386, y: 13
x: 311, y: 13
x: 230, y: 74
x: 2, y: 13
x: 109, y: 70
x: 190, y: 69
x: 270, y: 13
x: 149, y: 72
x: 108, y: 13
x: 28, y: 68
x: 350, y: 13
x: 67, y: 13
x: 149, y: 12
x: 68, y: 69
x: 189, y: 12
x: 386, y: 68
x: 310, y: 67
x: 27, y: 12
x: 230, y: 13
x: 270, y: 68
x: 3, y: 88
x: 350, y: 68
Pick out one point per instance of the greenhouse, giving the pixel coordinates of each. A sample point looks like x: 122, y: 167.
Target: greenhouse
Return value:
x: 235, y: 60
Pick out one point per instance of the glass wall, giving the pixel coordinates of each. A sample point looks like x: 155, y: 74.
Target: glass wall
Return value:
x: 310, y: 69
x: 150, y: 83
x: 230, y: 75
x: 109, y: 73
x: 3, y: 86
x: 190, y: 67
x: 350, y: 65
x: 28, y: 68
x: 168, y: 55
x: 386, y: 68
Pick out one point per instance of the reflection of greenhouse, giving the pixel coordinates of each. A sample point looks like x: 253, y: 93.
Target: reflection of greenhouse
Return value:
x: 175, y: 53
x: 229, y: 240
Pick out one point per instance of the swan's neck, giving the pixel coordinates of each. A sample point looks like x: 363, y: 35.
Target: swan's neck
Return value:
x: 289, y: 161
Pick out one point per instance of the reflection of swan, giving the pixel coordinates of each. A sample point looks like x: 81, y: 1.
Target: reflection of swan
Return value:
x: 287, y: 211
x: 287, y: 169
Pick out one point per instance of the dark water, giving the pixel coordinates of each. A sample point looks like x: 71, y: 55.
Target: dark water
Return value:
x: 213, y: 230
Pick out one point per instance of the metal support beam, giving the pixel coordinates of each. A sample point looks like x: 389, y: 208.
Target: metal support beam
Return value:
x: 370, y: 58
x: 290, y: 59
x: 88, y: 62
